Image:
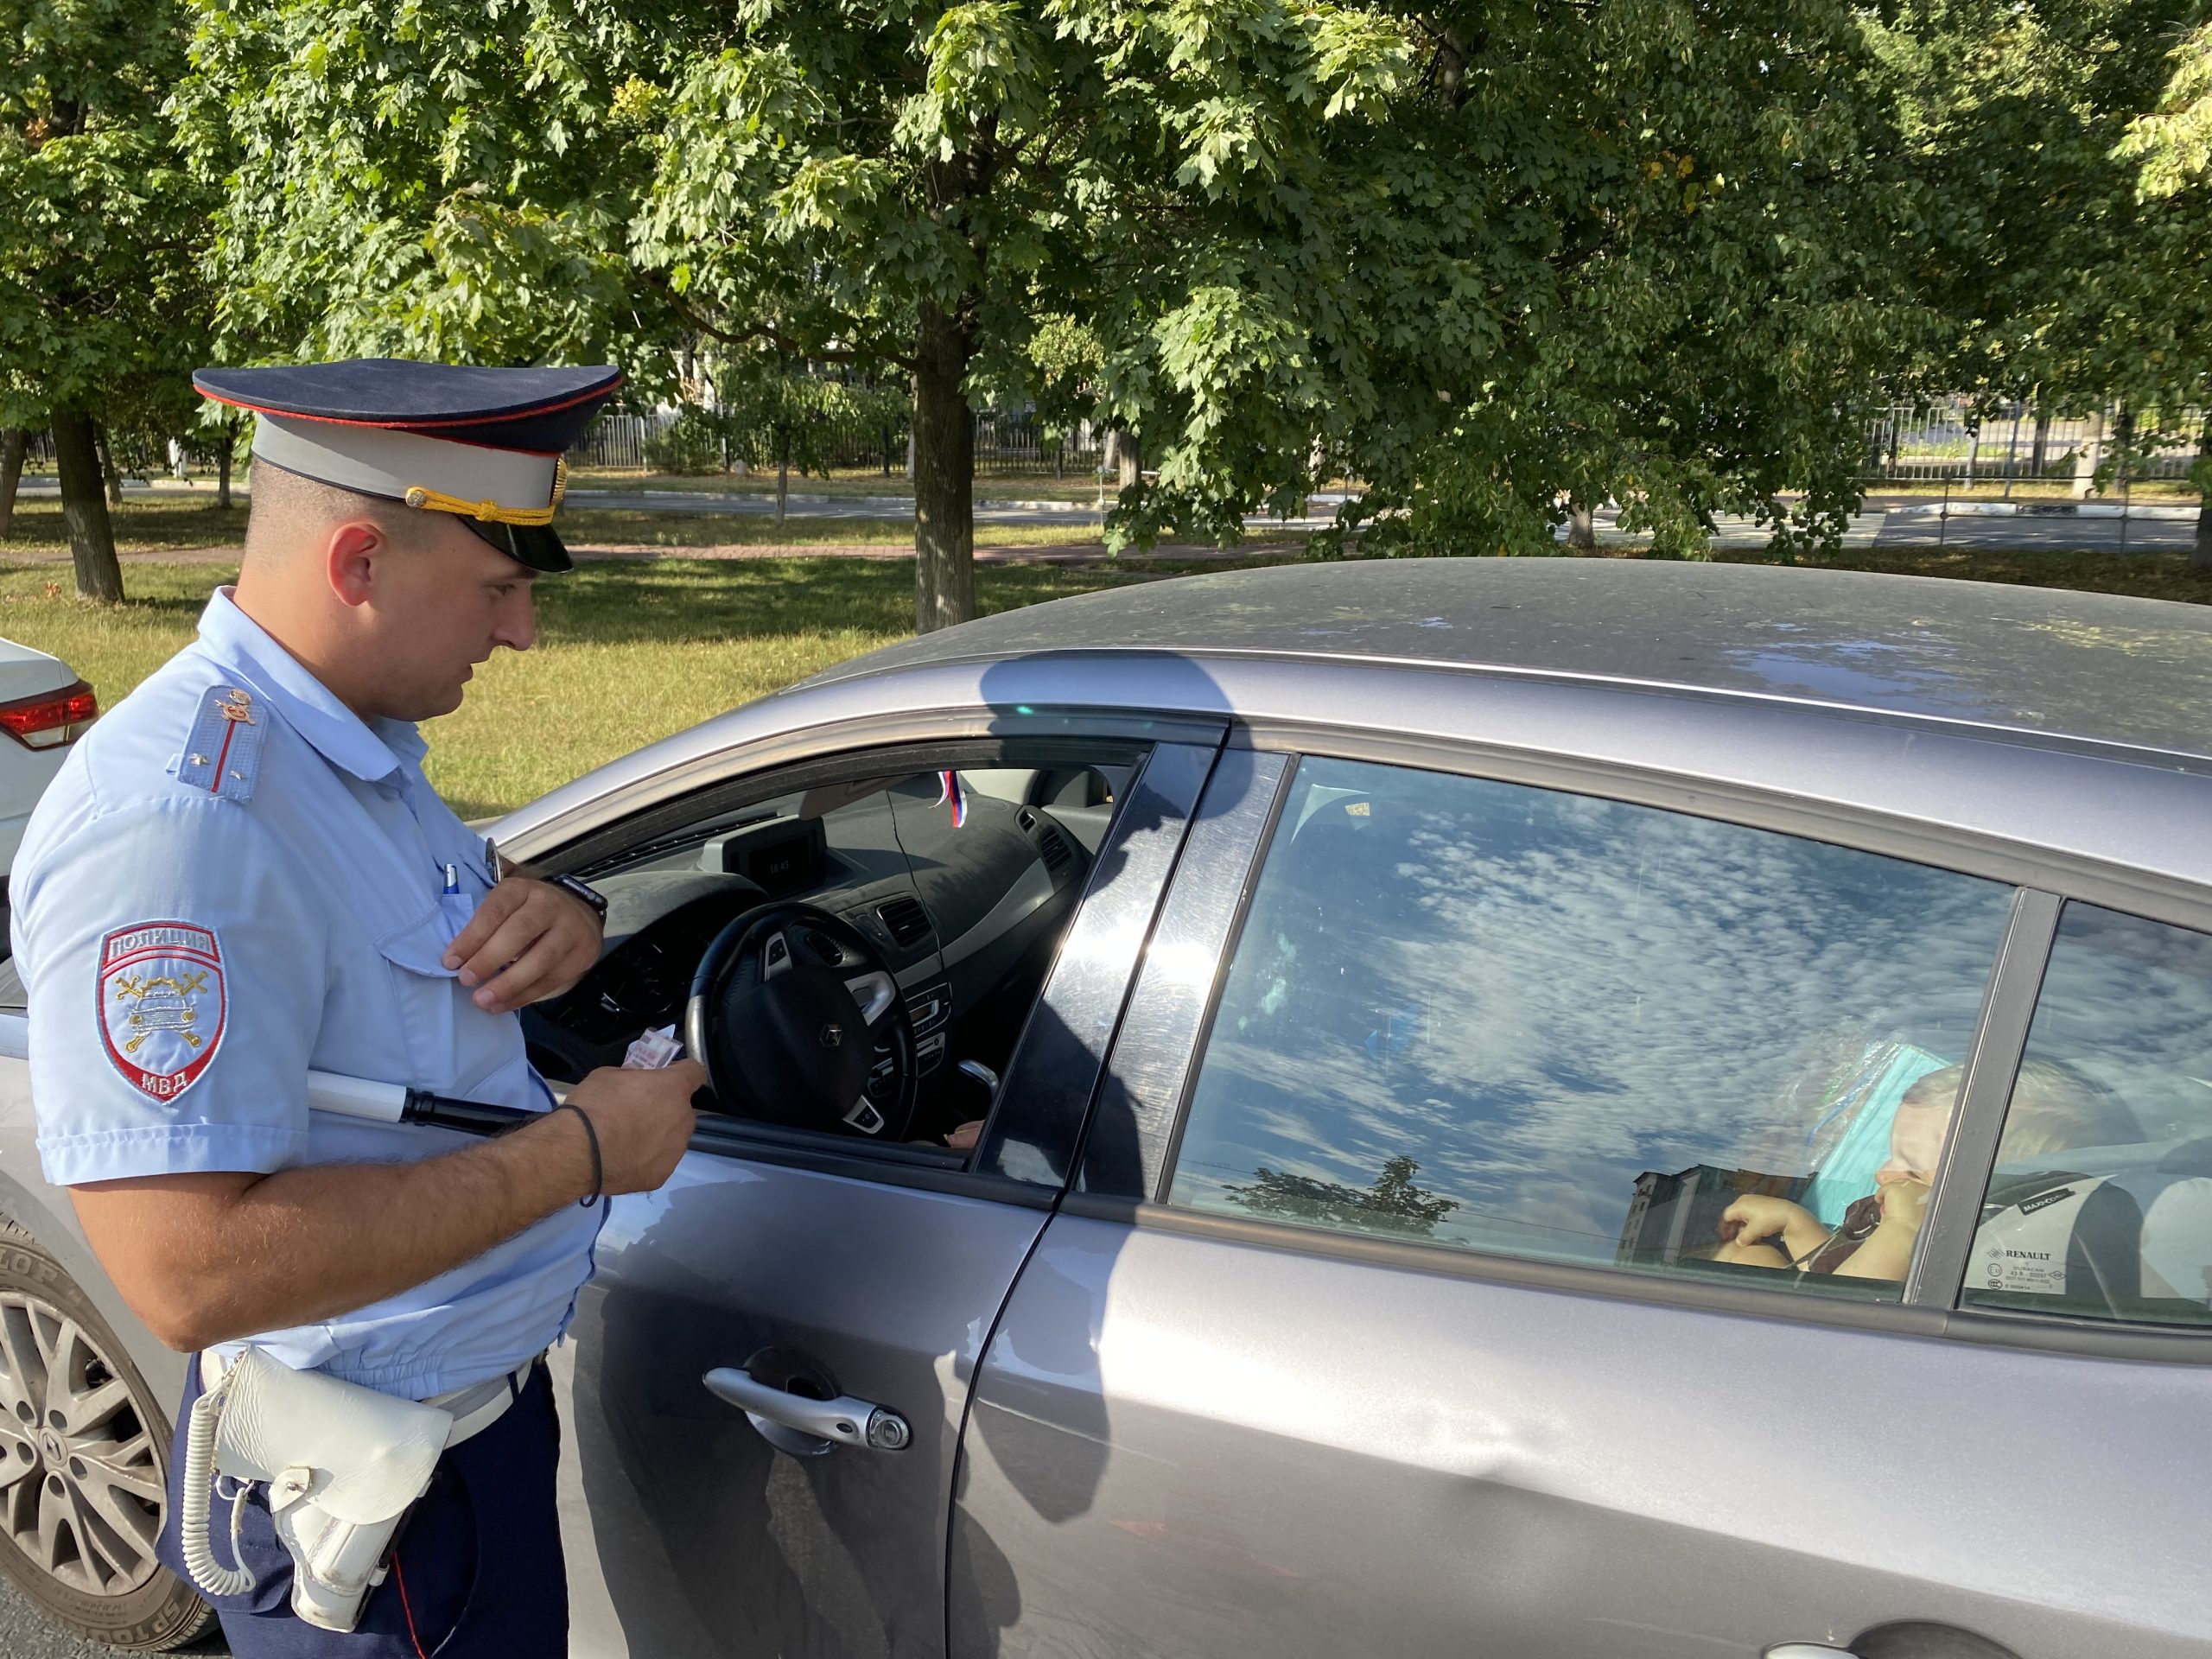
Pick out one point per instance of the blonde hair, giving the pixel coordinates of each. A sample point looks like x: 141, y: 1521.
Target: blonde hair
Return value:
x: 2055, y: 1108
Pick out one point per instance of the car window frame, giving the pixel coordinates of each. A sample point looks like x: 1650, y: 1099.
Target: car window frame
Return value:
x: 1148, y: 1089
x: 1162, y: 795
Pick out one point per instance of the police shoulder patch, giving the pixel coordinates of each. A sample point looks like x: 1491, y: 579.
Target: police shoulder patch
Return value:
x: 162, y: 1004
x: 222, y: 754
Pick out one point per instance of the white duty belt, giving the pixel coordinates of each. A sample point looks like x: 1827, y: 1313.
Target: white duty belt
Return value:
x: 473, y: 1408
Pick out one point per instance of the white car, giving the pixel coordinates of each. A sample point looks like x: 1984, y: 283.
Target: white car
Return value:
x: 44, y: 708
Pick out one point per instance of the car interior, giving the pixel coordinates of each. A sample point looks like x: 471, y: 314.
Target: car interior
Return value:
x: 855, y: 957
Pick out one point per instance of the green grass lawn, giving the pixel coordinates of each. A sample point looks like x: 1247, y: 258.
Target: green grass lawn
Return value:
x: 631, y: 650
x: 144, y: 526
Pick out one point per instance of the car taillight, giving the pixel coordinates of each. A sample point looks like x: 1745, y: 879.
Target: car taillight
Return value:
x: 51, y: 718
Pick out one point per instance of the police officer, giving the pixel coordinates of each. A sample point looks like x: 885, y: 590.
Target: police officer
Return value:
x: 240, y: 874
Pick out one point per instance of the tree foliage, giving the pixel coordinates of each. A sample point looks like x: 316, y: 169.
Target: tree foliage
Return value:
x: 1633, y: 250
x: 1499, y: 260
x: 2059, y: 276
x: 866, y: 182
x: 103, y: 302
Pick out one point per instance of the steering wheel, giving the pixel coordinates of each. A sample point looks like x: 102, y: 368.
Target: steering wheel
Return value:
x: 799, y: 1022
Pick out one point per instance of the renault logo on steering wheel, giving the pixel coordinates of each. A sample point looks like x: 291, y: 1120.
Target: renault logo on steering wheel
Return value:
x: 832, y: 1034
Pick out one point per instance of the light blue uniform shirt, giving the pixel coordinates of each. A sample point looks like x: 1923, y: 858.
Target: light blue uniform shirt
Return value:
x: 204, y: 912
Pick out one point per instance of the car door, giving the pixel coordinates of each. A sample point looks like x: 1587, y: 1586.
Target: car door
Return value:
x: 1392, y: 1315
x: 784, y: 1281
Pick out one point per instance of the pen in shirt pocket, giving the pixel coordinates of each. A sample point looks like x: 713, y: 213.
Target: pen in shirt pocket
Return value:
x: 453, y: 881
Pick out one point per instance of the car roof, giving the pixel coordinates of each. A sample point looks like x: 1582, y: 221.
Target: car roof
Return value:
x: 2092, y: 667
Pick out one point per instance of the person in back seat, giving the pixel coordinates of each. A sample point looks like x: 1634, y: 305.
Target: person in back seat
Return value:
x: 2053, y: 1108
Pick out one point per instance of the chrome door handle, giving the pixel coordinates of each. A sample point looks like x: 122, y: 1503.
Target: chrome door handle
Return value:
x: 809, y: 1428
x: 1806, y: 1650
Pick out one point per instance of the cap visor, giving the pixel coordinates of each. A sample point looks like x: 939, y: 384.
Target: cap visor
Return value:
x: 535, y: 546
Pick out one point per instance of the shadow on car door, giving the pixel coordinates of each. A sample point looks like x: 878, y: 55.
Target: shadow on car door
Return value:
x: 865, y: 1282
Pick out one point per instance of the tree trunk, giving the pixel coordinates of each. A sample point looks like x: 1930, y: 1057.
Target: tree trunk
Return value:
x: 783, y: 475
x: 113, y: 479
x: 2087, y: 457
x: 223, y: 466
x: 1582, y: 527
x: 944, y: 473
x: 2036, y: 455
x: 13, y: 441
x: 83, y: 505
x: 2200, y: 555
x: 1124, y: 456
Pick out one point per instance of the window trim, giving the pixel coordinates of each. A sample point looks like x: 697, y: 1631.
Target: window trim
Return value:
x: 2043, y: 882
x: 1171, y: 772
x: 1937, y: 1274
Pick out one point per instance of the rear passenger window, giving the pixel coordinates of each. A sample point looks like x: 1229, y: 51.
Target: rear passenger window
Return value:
x: 2101, y: 1204
x: 1510, y: 1019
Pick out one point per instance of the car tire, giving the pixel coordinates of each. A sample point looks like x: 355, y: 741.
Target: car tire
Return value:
x: 84, y: 1466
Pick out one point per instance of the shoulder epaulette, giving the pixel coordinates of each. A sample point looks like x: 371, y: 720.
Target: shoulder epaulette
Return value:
x: 223, y: 754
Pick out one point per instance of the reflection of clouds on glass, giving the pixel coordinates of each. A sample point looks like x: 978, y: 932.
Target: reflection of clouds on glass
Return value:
x: 2128, y: 1003
x: 1539, y: 996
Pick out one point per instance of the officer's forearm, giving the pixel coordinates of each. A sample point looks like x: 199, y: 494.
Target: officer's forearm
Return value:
x: 202, y: 1259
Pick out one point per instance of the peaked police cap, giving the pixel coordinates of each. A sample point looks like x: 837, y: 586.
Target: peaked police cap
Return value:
x: 483, y: 444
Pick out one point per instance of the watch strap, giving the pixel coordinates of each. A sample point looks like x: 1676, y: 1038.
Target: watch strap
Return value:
x: 582, y: 890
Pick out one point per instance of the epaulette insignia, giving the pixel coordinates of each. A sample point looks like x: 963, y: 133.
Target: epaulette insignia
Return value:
x: 224, y: 752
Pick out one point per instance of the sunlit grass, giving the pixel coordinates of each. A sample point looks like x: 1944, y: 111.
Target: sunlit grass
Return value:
x: 629, y: 650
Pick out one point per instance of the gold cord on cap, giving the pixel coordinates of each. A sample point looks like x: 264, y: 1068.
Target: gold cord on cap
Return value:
x: 491, y: 512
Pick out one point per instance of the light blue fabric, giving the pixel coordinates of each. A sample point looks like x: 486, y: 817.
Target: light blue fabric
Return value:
x: 1847, y: 1173
x: 191, y: 953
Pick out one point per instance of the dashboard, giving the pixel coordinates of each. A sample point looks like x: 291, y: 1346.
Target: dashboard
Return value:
x: 966, y: 908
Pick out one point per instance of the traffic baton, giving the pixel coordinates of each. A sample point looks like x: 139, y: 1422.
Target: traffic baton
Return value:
x: 395, y: 1103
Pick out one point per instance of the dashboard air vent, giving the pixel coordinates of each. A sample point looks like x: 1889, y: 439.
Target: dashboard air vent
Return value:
x: 1055, y: 851
x: 906, y: 919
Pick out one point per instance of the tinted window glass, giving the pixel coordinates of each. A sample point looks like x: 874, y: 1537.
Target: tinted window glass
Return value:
x: 1512, y: 1019
x: 2100, y: 1204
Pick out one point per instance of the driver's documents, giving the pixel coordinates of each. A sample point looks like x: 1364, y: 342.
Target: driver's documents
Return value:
x: 653, y: 1052
x: 234, y: 878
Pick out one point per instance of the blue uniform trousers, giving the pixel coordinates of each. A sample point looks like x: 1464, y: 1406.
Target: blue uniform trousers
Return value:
x: 476, y: 1573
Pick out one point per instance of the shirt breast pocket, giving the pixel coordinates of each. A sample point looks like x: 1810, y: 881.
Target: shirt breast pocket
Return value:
x: 429, y: 998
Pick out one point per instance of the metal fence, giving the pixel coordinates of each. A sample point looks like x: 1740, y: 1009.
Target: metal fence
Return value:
x: 1948, y: 440
x: 1008, y: 444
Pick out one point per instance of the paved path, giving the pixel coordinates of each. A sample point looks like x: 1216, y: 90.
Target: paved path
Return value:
x: 1980, y: 524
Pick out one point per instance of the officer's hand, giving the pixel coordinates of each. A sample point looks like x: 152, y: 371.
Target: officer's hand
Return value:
x: 644, y: 1120
x: 527, y: 941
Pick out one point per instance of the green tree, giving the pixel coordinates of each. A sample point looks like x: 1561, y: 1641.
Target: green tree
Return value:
x: 103, y: 304
x: 1630, y: 250
x: 844, y: 182
x: 2173, y: 145
x: 2058, y: 143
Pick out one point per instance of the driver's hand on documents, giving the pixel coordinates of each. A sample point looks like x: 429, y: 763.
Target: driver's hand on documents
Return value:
x: 644, y: 1120
x: 527, y: 941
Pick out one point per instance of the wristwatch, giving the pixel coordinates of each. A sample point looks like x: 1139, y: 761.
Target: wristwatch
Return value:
x: 582, y: 890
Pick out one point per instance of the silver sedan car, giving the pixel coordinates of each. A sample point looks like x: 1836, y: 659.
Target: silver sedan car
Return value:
x: 1555, y: 1109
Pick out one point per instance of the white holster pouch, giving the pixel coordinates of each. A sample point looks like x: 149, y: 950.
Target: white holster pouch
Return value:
x: 342, y: 1464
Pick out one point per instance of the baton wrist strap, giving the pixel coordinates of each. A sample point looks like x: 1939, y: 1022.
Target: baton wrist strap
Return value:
x: 598, y: 1170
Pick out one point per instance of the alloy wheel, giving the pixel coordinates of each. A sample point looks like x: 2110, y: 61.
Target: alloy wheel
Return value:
x: 81, y: 1475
